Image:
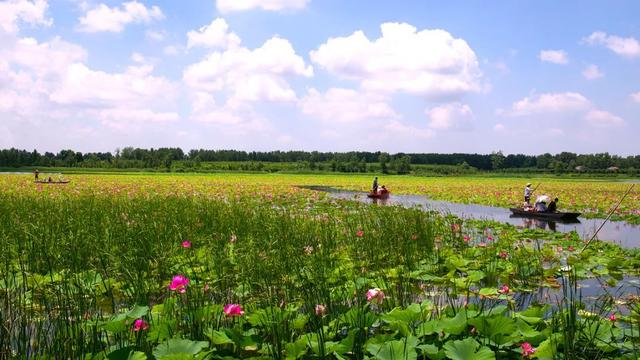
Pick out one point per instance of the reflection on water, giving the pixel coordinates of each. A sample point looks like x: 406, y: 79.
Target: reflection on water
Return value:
x: 620, y: 232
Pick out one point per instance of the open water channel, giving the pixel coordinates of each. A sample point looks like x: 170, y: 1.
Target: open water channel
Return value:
x: 619, y: 232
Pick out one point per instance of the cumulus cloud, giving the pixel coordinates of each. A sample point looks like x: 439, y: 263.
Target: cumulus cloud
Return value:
x: 44, y: 83
x: 269, y: 5
x: 569, y: 106
x: 454, y: 116
x: 155, y: 35
x: 635, y: 97
x: 214, y: 35
x: 428, y: 62
x: 81, y: 85
x: 591, y: 72
x: 14, y: 12
x: 550, y: 103
x: 249, y: 75
x: 627, y: 47
x: 105, y: 19
x: 600, y: 118
x: 346, y: 105
x: 554, y: 56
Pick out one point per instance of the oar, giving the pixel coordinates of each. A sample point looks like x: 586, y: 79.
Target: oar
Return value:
x: 607, y: 218
x: 534, y: 189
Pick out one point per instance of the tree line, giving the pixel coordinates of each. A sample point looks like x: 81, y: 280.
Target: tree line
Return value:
x: 354, y: 161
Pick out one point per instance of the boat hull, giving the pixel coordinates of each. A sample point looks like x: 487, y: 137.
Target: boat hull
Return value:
x: 545, y: 215
x: 378, y: 196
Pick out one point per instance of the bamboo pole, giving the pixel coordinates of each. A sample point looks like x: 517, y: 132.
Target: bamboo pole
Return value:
x: 608, y: 217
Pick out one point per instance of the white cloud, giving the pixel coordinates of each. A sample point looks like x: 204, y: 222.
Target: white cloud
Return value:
x: 270, y: 5
x: 249, y: 75
x: 133, y: 88
x: 627, y: 47
x: 171, y: 50
x: 124, y: 119
x: 427, y: 62
x: 550, y: 103
x: 568, y: 106
x: 345, y: 106
x: 592, y: 72
x: 32, y: 12
x: 499, y: 128
x: 600, y: 118
x: 554, y: 56
x: 47, y: 83
x: 103, y: 18
x: 453, y: 116
x: 635, y: 97
x: 155, y: 35
x: 214, y: 35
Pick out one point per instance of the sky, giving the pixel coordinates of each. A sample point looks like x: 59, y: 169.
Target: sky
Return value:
x: 472, y: 76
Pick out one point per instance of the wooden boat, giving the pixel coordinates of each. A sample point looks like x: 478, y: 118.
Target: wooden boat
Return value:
x: 53, y: 182
x: 564, y: 216
x: 382, y: 194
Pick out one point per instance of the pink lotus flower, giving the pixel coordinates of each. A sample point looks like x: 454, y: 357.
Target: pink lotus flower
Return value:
x: 375, y: 295
x: 490, y: 238
x: 455, y: 227
x: 571, y: 248
x: 360, y: 233
x: 179, y: 283
x: 232, y: 310
x: 186, y: 244
x: 482, y: 244
x: 503, y: 254
x: 612, y: 317
x: 140, y: 325
x: 504, y: 289
x: 321, y: 310
x: 527, y: 350
x: 466, y: 238
x: 560, y: 248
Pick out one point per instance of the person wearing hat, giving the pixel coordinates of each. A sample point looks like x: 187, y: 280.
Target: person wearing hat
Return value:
x: 375, y: 185
x: 527, y: 194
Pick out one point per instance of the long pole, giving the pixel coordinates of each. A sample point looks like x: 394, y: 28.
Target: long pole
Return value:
x: 608, y: 217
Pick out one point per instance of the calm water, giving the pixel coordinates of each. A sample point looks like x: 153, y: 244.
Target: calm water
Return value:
x: 622, y: 233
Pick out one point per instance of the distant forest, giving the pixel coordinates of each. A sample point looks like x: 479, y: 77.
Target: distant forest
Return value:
x: 175, y: 159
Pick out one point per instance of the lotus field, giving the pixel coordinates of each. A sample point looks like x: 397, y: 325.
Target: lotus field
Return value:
x: 252, y: 267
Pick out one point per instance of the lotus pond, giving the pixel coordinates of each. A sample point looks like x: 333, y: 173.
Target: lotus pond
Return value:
x: 251, y: 266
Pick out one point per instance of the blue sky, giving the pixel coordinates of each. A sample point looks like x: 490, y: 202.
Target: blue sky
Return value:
x: 403, y: 76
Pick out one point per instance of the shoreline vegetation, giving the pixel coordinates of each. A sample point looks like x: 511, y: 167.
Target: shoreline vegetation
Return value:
x: 418, y: 164
x: 236, y: 266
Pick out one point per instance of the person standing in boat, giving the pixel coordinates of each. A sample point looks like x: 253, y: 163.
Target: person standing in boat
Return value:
x: 375, y: 185
x: 527, y: 194
x: 36, y: 174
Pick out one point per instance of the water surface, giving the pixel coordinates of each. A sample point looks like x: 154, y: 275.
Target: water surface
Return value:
x: 619, y: 232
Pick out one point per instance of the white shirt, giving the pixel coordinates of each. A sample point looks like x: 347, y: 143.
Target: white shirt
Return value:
x: 527, y: 191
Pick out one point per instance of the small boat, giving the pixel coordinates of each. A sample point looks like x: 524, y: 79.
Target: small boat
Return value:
x: 53, y: 182
x: 545, y: 215
x: 382, y: 194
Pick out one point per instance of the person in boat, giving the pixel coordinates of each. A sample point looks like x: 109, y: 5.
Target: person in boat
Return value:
x: 527, y: 194
x: 553, y: 206
x: 375, y: 185
x: 50, y: 179
x: 541, y: 206
x: 383, y: 190
x: 36, y: 173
